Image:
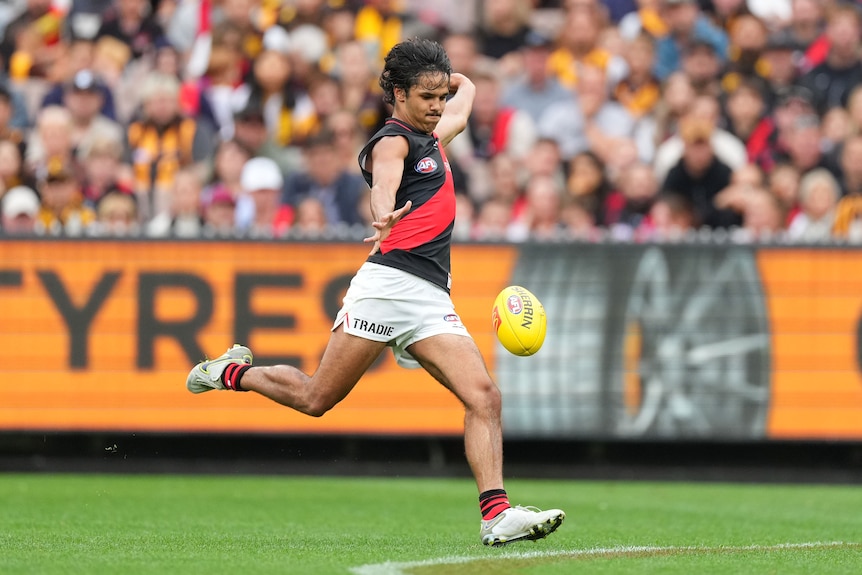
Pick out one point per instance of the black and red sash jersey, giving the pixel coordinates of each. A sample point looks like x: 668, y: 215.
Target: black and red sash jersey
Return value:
x: 420, y: 243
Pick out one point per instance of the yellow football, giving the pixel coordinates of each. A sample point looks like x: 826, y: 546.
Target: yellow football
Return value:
x: 519, y: 320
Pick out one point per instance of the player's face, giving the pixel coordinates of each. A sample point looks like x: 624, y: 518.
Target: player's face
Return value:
x: 423, y: 104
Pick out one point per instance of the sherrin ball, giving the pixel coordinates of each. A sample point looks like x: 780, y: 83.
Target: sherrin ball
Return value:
x: 519, y: 321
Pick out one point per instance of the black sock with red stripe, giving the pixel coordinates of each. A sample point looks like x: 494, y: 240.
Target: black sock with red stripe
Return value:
x: 493, y: 502
x: 232, y: 374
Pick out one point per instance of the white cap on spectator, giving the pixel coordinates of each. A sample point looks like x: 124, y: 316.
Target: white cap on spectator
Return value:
x: 20, y: 200
x: 277, y: 39
x: 261, y: 174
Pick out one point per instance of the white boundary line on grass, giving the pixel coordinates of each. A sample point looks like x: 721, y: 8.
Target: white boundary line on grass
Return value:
x: 393, y: 568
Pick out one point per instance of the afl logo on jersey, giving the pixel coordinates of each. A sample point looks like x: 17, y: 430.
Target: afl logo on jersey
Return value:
x: 426, y: 165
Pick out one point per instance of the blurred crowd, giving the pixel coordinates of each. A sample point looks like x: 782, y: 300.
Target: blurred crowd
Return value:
x: 635, y: 120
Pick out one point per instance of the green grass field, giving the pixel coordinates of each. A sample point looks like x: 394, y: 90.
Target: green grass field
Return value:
x: 241, y: 524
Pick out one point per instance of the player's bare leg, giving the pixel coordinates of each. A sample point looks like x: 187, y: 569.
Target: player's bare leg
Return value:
x: 345, y: 360
x: 456, y: 362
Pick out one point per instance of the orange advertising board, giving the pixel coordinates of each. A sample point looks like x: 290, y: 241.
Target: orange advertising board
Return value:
x: 100, y: 335
x: 734, y: 342
x: 814, y: 300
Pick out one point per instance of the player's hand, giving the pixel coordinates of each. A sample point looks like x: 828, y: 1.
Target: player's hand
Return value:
x: 384, y: 225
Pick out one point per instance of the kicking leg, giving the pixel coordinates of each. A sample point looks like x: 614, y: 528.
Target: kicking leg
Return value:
x: 345, y: 360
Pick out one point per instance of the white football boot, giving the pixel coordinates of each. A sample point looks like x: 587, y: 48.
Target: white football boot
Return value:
x: 206, y: 375
x: 519, y: 523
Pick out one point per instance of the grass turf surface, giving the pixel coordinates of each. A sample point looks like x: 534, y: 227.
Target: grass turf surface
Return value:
x: 240, y: 524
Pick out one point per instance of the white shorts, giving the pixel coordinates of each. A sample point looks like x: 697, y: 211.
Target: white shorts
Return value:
x: 389, y: 305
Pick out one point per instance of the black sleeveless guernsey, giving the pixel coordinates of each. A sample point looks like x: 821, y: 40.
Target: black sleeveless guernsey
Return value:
x: 420, y: 243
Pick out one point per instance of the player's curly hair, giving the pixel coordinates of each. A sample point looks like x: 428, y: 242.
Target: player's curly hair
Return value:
x: 409, y: 60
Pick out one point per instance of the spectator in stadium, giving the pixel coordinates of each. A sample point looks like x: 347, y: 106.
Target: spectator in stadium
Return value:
x: 380, y: 24
x: 671, y: 217
x: 647, y: 19
x: 703, y: 67
x: 323, y: 99
x: 543, y: 160
x: 742, y: 183
x: 50, y: 142
x: 491, y: 129
x: 309, y: 218
x: 706, y: 111
x: 854, y: 111
x: 540, y: 219
x: 762, y: 219
x: 850, y: 162
x: 219, y: 212
x: 63, y: 210
x: 19, y: 207
x: 32, y: 42
x: 700, y: 175
x: 503, y: 27
x: 677, y: 97
x: 836, y: 126
x: 492, y: 220
x: 463, y: 50
x: 588, y: 183
x: 779, y: 66
x: 783, y: 183
x: 818, y: 196
x: 535, y: 88
x: 807, y: 23
x: 339, y: 191
x: 577, y: 220
x: 833, y: 79
x: 11, y: 166
x: 396, y: 281
x: 162, y: 141
x: 748, y: 38
x: 271, y: 88
x: 465, y: 217
x: 357, y: 88
x: 589, y: 120
x: 133, y: 23
x: 78, y: 57
x: 639, y: 91
x: 223, y: 73
x: 117, y: 215
x: 686, y: 24
x: 579, y: 47
x: 14, y: 121
x: 804, y: 144
x: 726, y: 14
x: 183, y: 217
x: 627, y: 207
x: 84, y: 98
x: 848, y: 219
x: 102, y: 169
x: 260, y: 211
x: 348, y: 137
x: 747, y: 117
x: 229, y: 158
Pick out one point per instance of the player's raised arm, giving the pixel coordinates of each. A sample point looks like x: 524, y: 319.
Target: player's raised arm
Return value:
x: 387, y: 167
x: 458, y: 108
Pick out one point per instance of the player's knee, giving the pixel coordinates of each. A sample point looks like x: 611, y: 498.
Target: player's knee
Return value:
x: 484, y: 396
x: 318, y: 405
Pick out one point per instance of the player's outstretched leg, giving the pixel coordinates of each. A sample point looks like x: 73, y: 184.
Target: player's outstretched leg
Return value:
x: 206, y: 375
x: 519, y: 523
